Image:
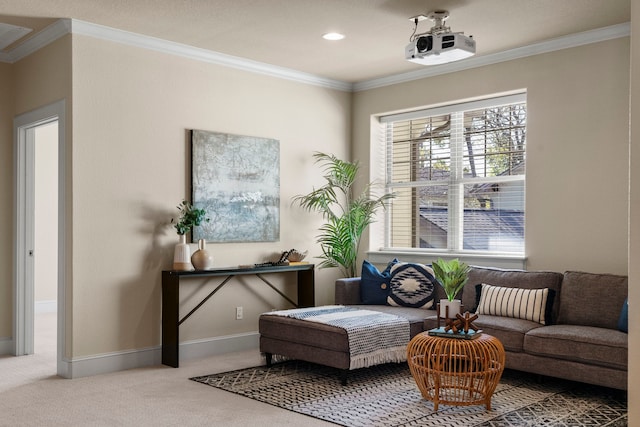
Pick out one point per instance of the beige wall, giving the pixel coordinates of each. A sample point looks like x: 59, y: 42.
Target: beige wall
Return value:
x: 131, y: 110
x: 634, y: 221
x: 577, y: 167
x: 43, y: 77
x: 6, y: 200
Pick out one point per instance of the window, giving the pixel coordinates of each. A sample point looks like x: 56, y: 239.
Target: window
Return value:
x: 458, y: 173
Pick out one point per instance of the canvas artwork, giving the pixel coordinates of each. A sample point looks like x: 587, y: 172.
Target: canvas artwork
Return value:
x: 236, y: 179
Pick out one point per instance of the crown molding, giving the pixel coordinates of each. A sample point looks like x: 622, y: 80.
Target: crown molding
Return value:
x: 39, y: 40
x: 66, y: 26
x: 63, y: 27
x: 572, y: 40
x: 204, y: 55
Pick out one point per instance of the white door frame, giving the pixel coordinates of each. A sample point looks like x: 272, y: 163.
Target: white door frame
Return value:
x: 24, y: 129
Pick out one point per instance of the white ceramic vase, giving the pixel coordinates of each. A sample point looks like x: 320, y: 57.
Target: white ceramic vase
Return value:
x: 182, y: 255
x: 453, y: 307
x: 202, y: 259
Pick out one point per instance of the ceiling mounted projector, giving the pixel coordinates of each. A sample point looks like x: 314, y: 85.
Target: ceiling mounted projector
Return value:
x: 438, y: 45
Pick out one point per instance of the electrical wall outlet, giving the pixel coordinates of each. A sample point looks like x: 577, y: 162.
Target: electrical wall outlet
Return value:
x: 239, y: 313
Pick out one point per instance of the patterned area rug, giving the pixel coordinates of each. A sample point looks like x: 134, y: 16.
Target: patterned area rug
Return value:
x: 386, y: 395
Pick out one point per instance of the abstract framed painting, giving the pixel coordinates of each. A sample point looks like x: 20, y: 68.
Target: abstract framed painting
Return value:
x: 236, y: 179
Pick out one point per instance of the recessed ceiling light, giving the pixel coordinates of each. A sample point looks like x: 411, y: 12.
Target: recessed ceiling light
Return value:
x: 333, y: 36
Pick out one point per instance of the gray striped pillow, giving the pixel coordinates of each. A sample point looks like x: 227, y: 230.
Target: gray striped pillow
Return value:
x: 528, y: 304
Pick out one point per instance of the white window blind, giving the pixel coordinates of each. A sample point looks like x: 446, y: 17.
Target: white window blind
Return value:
x: 458, y: 173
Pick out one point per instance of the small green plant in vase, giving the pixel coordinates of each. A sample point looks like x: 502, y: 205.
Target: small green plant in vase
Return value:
x: 190, y: 217
x: 452, y: 276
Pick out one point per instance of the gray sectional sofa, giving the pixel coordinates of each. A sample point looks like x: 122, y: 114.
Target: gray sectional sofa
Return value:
x: 580, y: 341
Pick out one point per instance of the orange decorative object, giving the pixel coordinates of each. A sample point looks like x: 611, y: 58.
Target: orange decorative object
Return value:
x: 465, y: 321
x: 449, y: 319
x: 454, y: 371
x: 461, y: 323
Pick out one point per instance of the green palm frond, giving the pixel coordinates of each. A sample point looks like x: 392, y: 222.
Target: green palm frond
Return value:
x: 346, y: 217
x: 452, y: 276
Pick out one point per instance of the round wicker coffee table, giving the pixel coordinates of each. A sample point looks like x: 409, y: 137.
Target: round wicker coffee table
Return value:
x: 455, y: 371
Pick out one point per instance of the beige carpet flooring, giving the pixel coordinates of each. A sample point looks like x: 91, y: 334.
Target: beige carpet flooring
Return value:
x: 32, y: 395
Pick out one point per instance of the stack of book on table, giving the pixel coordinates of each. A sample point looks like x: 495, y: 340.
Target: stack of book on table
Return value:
x: 441, y: 332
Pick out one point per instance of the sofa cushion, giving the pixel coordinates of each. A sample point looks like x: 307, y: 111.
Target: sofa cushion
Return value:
x: 590, y: 299
x: 374, y: 284
x: 511, y: 278
x: 527, y: 304
x: 583, y: 344
x: 347, y: 291
x: 508, y: 330
x: 412, y: 285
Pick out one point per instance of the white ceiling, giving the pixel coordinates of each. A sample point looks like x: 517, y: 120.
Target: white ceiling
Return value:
x: 287, y: 33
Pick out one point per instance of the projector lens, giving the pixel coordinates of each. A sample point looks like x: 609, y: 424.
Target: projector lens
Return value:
x: 425, y: 44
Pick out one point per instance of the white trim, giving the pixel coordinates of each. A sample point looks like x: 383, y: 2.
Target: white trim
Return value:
x: 152, y: 356
x: 198, y: 54
x: 67, y: 26
x: 6, y: 345
x: 383, y: 256
x: 22, y: 272
x: 111, y: 362
x: 24, y: 298
x: 50, y: 306
x: 493, y: 101
x: 198, y: 349
x: 53, y: 32
x: 572, y: 40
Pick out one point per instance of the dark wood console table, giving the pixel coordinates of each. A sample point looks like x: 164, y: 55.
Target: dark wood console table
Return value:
x: 171, y: 297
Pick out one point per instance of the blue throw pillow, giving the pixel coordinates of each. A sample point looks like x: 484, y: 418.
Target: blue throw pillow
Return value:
x: 374, y: 285
x: 623, y: 320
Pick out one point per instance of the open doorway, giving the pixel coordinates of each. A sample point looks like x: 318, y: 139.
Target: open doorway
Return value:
x: 39, y: 275
x: 45, y: 248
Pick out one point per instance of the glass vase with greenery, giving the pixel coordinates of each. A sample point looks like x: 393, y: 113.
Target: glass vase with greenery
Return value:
x: 346, y: 215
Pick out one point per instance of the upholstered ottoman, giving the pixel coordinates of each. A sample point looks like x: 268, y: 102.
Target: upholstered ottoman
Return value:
x: 316, y: 342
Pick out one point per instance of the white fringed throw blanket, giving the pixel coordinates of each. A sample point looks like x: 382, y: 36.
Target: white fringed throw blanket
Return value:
x: 374, y: 337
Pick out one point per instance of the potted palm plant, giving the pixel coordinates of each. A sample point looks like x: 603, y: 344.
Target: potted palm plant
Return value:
x: 452, y: 276
x: 346, y: 215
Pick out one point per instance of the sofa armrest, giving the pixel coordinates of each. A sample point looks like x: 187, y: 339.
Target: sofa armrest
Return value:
x: 348, y: 291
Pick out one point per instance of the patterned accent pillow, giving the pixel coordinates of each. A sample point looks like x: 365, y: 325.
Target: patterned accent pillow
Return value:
x: 527, y: 304
x: 374, y: 284
x: 412, y: 285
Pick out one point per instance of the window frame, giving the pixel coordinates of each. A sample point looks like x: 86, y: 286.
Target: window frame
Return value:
x: 455, y: 243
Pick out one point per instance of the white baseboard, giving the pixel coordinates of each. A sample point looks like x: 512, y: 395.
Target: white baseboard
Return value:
x: 119, y: 361
x: 227, y: 344
x: 6, y: 345
x: 110, y: 362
